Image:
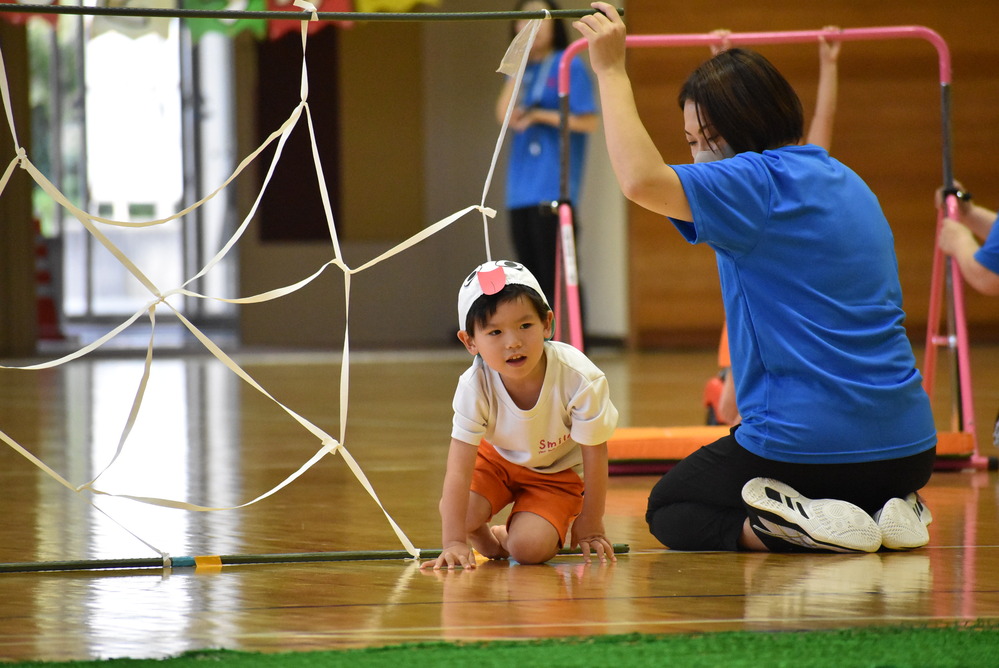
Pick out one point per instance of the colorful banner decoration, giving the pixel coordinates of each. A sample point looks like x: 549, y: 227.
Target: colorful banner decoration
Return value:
x: 20, y: 19
x: 198, y: 27
x: 136, y: 26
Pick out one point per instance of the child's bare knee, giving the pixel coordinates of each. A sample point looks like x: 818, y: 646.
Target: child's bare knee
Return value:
x: 531, y: 538
x: 531, y: 547
x: 531, y: 552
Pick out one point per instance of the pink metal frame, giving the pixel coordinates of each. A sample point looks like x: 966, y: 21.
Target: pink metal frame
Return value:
x: 956, y: 339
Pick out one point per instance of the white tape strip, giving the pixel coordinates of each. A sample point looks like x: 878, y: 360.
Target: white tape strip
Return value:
x: 165, y: 555
x: 136, y: 402
x: 513, y: 64
x: 7, y: 173
x: 5, y: 94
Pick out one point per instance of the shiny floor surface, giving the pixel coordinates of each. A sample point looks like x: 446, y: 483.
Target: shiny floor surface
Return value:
x: 205, y: 437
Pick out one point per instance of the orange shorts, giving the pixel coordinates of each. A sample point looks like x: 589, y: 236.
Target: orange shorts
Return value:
x: 557, y: 497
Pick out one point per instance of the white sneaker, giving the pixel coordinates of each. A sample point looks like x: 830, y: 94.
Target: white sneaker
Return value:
x: 777, y: 510
x: 903, y: 523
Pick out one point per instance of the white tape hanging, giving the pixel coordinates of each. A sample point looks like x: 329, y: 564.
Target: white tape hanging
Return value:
x: 513, y: 64
x: 5, y: 95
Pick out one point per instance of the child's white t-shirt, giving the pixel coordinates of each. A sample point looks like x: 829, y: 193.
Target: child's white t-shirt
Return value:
x: 573, y: 409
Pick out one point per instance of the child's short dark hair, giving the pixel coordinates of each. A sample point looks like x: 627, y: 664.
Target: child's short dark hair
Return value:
x: 485, y: 306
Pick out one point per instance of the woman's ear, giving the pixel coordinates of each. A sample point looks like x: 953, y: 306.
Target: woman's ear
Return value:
x: 468, y: 341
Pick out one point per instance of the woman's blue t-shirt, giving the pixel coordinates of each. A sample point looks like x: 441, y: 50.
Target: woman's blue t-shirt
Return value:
x: 823, y: 368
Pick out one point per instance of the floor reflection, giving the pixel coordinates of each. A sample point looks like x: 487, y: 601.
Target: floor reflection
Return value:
x: 202, y: 435
x: 507, y: 600
x: 183, y: 445
x: 786, y: 587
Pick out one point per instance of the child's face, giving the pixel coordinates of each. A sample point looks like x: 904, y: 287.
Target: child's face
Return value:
x: 511, y: 341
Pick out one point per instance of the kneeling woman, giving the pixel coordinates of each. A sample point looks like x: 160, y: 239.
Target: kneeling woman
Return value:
x: 836, y: 434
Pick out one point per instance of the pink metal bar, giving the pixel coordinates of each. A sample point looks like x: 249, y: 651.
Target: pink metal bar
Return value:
x: 748, y: 38
x: 933, y: 339
x: 788, y: 37
x: 568, y: 263
x: 961, y: 332
x: 559, y: 285
x: 956, y: 340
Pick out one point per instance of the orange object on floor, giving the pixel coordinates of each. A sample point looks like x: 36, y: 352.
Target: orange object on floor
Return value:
x: 656, y: 449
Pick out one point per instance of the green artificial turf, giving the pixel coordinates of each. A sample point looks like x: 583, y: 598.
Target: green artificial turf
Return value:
x: 964, y: 646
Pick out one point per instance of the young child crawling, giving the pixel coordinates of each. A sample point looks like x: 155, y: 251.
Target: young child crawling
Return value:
x: 531, y: 423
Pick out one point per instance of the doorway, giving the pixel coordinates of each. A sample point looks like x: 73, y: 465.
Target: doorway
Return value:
x: 133, y: 124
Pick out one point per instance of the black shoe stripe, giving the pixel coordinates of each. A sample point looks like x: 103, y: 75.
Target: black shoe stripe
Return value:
x: 786, y: 500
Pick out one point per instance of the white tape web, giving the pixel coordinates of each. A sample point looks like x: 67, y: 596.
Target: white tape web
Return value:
x: 513, y: 64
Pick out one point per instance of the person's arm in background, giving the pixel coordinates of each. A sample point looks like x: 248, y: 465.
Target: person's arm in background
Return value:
x: 957, y: 240
x: 503, y: 101
x: 724, y: 46
x: 522, y: 118
x: 820, y: 130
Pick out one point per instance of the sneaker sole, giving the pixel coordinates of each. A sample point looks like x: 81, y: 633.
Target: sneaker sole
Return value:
x: 825, y: 524
x: 901, y: 527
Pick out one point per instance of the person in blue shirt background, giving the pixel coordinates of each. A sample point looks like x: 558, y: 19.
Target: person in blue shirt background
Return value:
x: 837, y: 434
x: 979, y: 263
x: 533, y: 172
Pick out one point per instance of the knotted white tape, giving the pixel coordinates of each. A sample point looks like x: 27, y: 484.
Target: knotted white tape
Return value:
x: 309, y: 7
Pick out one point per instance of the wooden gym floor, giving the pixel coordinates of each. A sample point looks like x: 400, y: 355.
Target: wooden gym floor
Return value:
x: 206, y: 437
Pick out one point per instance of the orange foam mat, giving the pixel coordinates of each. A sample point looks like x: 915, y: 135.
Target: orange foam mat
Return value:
x: 656, y: 449
x: 659, y: 443
x: 955, y: 444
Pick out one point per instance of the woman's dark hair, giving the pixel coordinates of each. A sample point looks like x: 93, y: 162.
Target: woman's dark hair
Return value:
x: 746, y: 99
x: 485, y: 306
x: 560, y: 36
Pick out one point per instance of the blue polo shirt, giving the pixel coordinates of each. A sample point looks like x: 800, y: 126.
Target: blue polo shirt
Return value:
x: 823, y: 368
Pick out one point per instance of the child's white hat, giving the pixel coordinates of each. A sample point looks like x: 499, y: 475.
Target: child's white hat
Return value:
x: 490, y: 278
